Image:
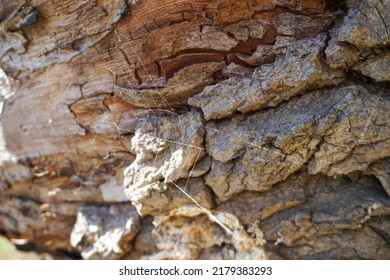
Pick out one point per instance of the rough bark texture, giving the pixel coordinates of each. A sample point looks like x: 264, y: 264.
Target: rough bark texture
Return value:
x: 177, y: 129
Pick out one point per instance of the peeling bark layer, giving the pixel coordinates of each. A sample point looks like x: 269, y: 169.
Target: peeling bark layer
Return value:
x: 179, y: 129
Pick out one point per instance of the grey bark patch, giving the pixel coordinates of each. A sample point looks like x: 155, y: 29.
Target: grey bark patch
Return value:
x: 367, y: 26
x: 335, y: 131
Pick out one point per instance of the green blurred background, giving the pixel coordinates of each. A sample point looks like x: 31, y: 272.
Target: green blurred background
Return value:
x: 8, y: 251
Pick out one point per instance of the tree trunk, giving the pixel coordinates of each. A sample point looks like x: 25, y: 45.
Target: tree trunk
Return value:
x: 179, y: 129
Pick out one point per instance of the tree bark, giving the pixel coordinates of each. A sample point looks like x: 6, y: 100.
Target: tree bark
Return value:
x: 255, y: 129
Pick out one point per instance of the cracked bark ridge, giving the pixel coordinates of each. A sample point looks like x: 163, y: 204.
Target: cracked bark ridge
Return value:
x: 326, y: 218
x: 105, y: 232
x: 336, y: 131
x: 184, y: 84
x: 300, y: 70
x: 298, y: 26
x: 376, y: 67
x: 360, y: 37
x: 367, y: 26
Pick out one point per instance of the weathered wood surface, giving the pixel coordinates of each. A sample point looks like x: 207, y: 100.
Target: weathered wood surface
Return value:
x: 80, y: 78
